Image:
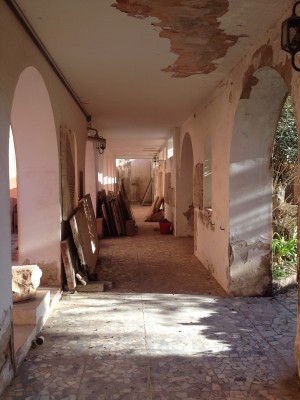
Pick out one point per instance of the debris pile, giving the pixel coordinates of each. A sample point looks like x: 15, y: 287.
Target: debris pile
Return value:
x: 156, y: 213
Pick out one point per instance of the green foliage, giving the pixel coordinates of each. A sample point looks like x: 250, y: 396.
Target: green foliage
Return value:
x: 284, y: 256
x: 285, y: 144
x: 285, y: 150
x: 278, y: 272
x: 285, y: 250
x: 284, y: 163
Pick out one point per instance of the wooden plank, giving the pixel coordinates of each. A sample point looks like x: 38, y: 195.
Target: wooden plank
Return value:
x: 70, y: 261
x: 121, y: 212
x: 110, y: 212
x: 91, y: 220
x: 116, y: 218
x: 85, y: 236
x: 106, y: 219
x: 91, y: 287
x: 126, y: 202
x: 147, y: 194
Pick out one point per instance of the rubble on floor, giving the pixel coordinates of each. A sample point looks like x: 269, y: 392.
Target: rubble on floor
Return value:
x: 25, y: 281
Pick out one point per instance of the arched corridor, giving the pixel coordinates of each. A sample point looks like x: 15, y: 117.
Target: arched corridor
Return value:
x: 158, y: 335
x: 196, y: 89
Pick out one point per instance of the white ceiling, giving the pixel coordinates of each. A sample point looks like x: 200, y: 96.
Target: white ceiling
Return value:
x: 114, y: 62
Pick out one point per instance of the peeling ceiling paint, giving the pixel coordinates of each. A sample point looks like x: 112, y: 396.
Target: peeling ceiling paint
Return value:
x: 114, y: 58
x: 193, y: 28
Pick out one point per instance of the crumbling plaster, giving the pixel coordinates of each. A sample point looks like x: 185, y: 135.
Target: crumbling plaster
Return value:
x: 195, y: 34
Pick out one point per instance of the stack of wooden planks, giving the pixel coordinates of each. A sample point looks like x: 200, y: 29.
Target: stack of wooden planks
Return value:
x: 80, y: 251
x: 116, y: 211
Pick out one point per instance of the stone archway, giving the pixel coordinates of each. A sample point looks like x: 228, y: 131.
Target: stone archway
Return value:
x: 184, y: 193
x: 250, y: 177
x: 39, y: 213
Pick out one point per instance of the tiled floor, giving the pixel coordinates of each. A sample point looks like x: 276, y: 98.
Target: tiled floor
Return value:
x: 165, y: 331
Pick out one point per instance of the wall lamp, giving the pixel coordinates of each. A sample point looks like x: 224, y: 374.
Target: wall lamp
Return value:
x: 93, y: 136
x: 290, y: 35
x: 156, y: 161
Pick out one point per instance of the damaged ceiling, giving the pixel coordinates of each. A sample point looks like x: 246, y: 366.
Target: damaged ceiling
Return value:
x: 141, y: 67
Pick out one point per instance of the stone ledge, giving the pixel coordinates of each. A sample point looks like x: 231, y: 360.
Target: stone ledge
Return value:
x: 29, y: 318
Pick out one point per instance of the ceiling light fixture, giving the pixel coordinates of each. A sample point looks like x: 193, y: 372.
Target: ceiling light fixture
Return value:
x: 156, y: 161
x: 290, y: 35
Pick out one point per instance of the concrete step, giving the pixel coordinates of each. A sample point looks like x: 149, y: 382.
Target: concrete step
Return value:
x: 34, y: 311
x: 29, y: 318
x: 23, y: 336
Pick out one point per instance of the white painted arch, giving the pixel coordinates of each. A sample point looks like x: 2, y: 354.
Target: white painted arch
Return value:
x: 39, y: 214
x: 250, y: 185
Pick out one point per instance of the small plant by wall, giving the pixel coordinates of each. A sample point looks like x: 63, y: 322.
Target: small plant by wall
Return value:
x: 284, y: 255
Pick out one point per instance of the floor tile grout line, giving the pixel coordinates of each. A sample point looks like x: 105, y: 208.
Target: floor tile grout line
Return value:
x: 283, y: 305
